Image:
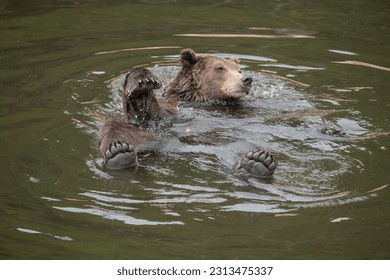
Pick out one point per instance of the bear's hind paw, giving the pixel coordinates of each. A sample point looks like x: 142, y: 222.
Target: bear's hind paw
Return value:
x: 258, y: 163
x: 119, y: 155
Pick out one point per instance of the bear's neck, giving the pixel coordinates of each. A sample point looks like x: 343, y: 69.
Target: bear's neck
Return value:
x: 188, y: 89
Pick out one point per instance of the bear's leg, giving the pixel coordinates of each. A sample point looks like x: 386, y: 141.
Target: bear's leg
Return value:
x: 258, y: 163
x: 138, y: 100
x: 119, y: 155
x: 117, y: 142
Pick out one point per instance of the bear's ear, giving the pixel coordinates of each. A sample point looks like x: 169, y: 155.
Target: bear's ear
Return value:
x: 188, y: 57
x: 235, y: 60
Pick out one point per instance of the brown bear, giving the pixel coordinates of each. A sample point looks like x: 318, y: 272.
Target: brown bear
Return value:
x: 203, y: 78
x: 118, y: 139
x: 200, y: 78
x: 208, y: 77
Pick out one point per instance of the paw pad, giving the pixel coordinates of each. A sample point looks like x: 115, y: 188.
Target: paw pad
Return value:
x: 119, y: 155
x: 258, y: 163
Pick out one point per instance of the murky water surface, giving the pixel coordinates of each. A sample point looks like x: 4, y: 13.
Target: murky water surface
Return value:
x: 317, y: 68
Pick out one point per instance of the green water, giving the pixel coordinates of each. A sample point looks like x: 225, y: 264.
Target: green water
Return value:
x: 328, y: 198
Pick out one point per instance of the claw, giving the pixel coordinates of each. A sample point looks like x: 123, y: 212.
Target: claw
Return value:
x: 256, y: 156
x: 262, y: 157
x: 125, y: 146
x: 268, y: 160
x: 119, y: 147
x: 113, y: 149
x: 108, y: 154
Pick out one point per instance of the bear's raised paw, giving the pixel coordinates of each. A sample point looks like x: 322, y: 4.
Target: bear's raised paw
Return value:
x: 139, y: 82
x: 119, y: 155
x: 258, y: 163
x: 148, y: 83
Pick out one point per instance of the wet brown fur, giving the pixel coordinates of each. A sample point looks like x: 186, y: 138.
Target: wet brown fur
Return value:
x: 117, y: 130
x: 203, y: 78
x: 140, y: 106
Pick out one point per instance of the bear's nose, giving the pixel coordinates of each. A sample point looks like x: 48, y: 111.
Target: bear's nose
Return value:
x: 247, y: 81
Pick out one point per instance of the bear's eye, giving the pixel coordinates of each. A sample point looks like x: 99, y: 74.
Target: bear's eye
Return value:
x: 220, y: 68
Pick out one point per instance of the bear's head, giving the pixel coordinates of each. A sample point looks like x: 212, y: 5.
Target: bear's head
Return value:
x: 208, y: 77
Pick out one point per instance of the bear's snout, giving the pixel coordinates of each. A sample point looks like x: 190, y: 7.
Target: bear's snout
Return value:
x: 247, y: 81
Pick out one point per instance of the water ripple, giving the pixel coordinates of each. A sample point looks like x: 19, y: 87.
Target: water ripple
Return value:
x: 31, y: 231
x: 193, y: 166
x: 116, y: 215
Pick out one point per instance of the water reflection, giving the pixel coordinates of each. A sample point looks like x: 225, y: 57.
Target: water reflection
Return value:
x: 31, y: 231
x: 260, y: 36
x: 365, y: 64
x: 116, y: 215
x: 343, y: 52
x: 297, y: 67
